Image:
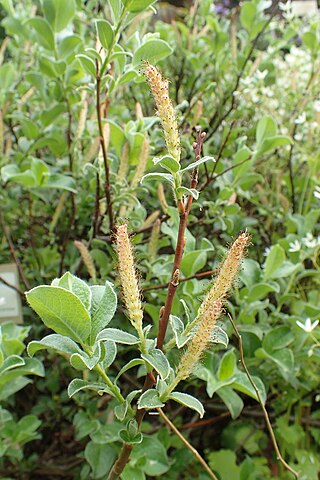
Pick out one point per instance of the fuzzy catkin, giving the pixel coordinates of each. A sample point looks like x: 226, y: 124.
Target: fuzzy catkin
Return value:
x: 128, y: 277
x: 227, y: 273
x: 165, y: 111
x: 87, y: 259
x: 142, y: 163
x: 200, y: 341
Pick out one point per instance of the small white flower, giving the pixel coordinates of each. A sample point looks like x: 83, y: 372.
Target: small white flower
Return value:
x: 307, y: 326
x: 309, y: 240
x: 316, y: 192
x: 2, y: 301
x: 301, y: 118
x: 295, y: 246
x: 266, y: 251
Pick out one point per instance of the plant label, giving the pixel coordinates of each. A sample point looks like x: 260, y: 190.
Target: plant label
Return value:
x: 10, y: 302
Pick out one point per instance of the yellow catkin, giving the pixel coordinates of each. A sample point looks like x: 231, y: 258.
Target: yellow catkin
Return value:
x: 154, y: 239
x: 58, y: 211
x: 124, y: 162
x: 92, y: 151
x: 128, y: 278
x: 151, y: 219
x: 210, y: 310
x: 165, y: 111
x: 227, y: 273
x: 87, y: 259
x: 142, y: 163
x: 198, y: 112
x: 139, y: 113
x: 83, y: 115
x: 200, y: 341
x: 162, y: 198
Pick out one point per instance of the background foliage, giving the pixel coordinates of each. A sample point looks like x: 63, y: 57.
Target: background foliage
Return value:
x: 249, y: 77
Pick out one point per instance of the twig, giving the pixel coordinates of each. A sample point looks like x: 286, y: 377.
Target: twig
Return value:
x: 72, y: 194
x: 184, y: 210
x: 107, y: 185
x: 185, y: 279
x: 10, y: 285
x: 222, y: 147
x: 264, y: 410
x: 12, y: 251
x: 187, y: 444
x: 215, y: 121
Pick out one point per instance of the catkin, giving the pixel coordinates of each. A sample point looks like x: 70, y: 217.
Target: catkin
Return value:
x: 165, y: 111
x: 128, y: 277
x: 87, y: 259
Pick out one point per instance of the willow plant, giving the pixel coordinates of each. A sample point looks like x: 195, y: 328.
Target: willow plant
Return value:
x: 80, y: 313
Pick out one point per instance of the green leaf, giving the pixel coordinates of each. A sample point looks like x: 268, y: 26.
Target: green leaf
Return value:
x: 11, y: 362
x: 243, y: 384
x: 12, y: 173
x: 152, y: 455
x: 248, y: 15
x: 44, y: 32
x: 61, y: 311
x: 150, y: 400
x: 224, y: 462
x: 227, y: 365
x: 193, y: 165
x: 220, y: 336
x: 104, y: 305
x: 243, y: 154
x: 59, y: 13
x: 168, y: 162
x: 260, y: 290
x: 277, y: 339
x: 118, y: 336
x: 271, y: 143
x: 61, y: 182
x: 100, y: 457
x: 310, y: 40
x: 31, y: 366
x: 152, y: 51
x: 178, y: 330
x: 284, y: 360
x: 275, y: 259
x: 7, y: 76
x: 188, y: 401
x: 232, y: 400
x: 105, y: 33
x: 187, y: 191
x: 266, y: 128
x: 192, y: 262
x: 56, y: 342
x: 39, y: 169
x: 78, y: 287
x: 163, y: 177
x: 158, y: 361
x: 77, y: 384
x: 132, y: 363
x: 88, y: 64
x: 136, y: 6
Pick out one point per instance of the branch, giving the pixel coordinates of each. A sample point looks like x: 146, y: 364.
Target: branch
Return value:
x: 12, y: 251
x: 184, y: 210
x: 107, y: 185
x: 187, y: 444
x: 10, y: 285
x: 264, y: 410
x: 185, y: 279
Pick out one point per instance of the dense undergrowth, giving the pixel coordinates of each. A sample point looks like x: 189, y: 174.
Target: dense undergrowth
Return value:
x: 78, y: 132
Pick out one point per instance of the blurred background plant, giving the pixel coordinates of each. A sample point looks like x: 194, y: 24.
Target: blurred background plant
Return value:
x: 248, y: 75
